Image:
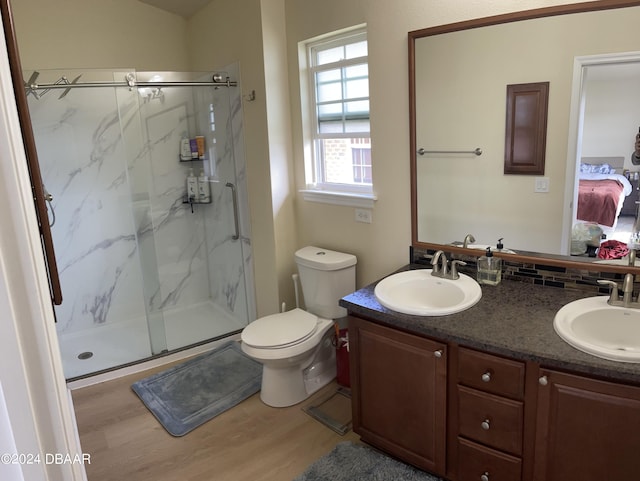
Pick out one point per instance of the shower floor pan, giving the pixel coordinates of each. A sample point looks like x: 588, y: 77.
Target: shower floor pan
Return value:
x: 118, y: 343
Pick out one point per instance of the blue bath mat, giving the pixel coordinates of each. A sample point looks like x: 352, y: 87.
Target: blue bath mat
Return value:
x: 187, y: 395
x: 357, y: 462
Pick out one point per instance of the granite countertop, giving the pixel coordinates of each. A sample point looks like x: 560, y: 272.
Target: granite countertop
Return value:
x: 512, y: 319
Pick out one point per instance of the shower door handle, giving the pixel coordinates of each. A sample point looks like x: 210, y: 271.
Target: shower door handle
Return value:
x: 48, y: 198
x: 234, y: 196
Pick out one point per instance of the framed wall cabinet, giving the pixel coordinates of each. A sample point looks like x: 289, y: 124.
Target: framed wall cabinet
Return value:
x: 526, y: 128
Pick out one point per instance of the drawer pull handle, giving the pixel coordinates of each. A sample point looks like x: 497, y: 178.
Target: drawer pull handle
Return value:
x: 484, y: 477
x: 438, y: 353
x: 543, y: 381
x: 486, y: 377
x: 485, y: 425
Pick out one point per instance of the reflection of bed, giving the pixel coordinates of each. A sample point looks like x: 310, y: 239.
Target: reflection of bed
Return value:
x: 600, y: 198
x: 601, y: 194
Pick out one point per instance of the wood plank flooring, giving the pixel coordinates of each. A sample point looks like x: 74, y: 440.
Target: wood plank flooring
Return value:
x: 251, y: 442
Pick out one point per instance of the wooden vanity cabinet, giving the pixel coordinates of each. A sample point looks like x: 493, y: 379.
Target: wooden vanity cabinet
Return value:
x: 487, y: 417
x: 587, y: 429
x: 467, y: 415
x: 398, y: 387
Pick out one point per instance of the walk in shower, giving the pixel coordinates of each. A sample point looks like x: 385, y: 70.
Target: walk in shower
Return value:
x: 144, y: 269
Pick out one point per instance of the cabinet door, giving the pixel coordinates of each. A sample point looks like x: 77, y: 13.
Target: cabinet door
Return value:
x: 398, y: 384
x: 587, y: 430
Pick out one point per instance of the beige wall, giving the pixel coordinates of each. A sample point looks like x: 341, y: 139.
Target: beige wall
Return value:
x: 280, y: 144
x: 127, y: 33
x: 98, y: 34
x: 382, y: 246
x: 479, y: 197
x: 225, y: 32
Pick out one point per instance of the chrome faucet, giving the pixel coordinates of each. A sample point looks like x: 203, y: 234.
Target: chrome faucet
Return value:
x: 632, y: 258
x: 441, y: 266
x: 627, y: 290
x: 627, y: 293
x: 468, y: 239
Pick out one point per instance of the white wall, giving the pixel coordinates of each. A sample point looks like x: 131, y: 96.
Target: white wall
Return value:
x: 610, y: 119
x: 8, y: 472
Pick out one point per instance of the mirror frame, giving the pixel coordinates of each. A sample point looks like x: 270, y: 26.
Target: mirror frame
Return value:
x: 524, y: 257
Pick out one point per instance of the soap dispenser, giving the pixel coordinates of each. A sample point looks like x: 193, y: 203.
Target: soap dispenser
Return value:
x: 204, y: 190
x: 192, y: 187
x: 500, y: 245
x: 489, y: 269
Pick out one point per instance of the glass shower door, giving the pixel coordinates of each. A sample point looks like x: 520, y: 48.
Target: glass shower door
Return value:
x: 202, y: 285
x: 141, y: 185
x: 102, y: 320
x: 144, y: 271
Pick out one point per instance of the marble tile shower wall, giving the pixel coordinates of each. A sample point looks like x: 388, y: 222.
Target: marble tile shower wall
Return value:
x: 126, y: 244
x: 83, y: 164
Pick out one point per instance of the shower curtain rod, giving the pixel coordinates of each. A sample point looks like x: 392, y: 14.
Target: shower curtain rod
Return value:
x: 130, y: 82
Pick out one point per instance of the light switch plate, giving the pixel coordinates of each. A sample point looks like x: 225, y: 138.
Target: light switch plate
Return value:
x: 542, y: 184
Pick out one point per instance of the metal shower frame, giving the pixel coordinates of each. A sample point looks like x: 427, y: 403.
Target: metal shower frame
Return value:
x: 38, y: 90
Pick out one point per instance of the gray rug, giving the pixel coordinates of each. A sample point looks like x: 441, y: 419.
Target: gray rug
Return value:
x: 355, y: 462
x: 187, y: 395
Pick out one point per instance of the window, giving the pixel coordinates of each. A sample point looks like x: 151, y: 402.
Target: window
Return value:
x: 338, y: 130
x: 361, y: 154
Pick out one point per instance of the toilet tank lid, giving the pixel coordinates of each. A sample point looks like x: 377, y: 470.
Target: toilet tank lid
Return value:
x: 324, y: 259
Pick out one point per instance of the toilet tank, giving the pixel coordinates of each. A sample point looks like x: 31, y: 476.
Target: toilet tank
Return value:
x: 326, y: 277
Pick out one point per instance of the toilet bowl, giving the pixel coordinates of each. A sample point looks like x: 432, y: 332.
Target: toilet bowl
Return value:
x: 296, y: 348
x: 297, y: 354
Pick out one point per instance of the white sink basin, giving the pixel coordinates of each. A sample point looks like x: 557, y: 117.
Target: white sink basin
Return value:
x: 422, y: 294
x: 594, y: 327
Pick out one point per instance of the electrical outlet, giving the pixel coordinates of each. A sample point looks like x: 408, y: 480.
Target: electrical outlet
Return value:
x: 364, y: 215
x: 542, y: 184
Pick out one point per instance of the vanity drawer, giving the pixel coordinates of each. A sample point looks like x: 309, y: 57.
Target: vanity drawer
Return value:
x: 479, y: 463
x: 492, y: 420
x: 491, y: 373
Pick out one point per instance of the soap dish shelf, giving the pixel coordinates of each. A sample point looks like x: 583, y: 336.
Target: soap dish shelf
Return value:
x: 185, y: 200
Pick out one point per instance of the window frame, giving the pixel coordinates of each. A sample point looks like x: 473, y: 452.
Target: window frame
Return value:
x: 317, y: 188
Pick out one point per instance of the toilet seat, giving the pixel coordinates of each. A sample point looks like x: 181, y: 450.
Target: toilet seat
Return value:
x: 281, y: 330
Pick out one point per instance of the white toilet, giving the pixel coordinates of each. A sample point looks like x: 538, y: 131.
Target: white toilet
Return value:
x: 296, y: 347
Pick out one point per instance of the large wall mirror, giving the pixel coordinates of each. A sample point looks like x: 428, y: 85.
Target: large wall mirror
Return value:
x: 459, y: 75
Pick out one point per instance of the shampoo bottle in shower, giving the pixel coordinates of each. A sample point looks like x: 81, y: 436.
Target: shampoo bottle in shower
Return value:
x: 185, y: 149
x: 192, y: 187
x: 204, y: 189
x: 194, y: 148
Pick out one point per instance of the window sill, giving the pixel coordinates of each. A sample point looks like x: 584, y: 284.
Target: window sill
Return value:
x: 339, y: 198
